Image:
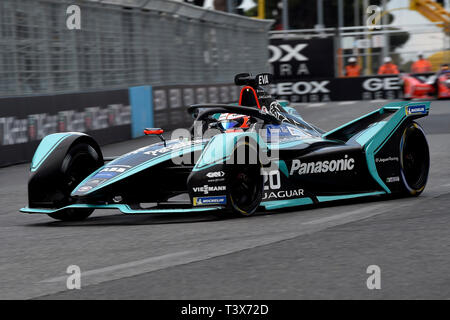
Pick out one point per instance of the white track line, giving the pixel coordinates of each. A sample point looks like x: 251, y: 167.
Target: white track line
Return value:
x: 344, y: 103
x: 122, y: 266
x: 341, y: 215
x: 378, y: 100
x: 313, y: 105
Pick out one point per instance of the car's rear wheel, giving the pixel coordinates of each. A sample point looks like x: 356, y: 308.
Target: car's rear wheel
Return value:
x: 245, y: 186
x: 81, y: 160
x: 414, y: 159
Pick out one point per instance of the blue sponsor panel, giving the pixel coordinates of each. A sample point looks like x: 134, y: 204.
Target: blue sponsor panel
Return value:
x: 141, y: 100
x: 207, y: 201
x: 416, y: 109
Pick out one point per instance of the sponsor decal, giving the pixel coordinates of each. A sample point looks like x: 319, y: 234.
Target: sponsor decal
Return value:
x: 216, y: 174
x: 301, y: 168
x: 392, y: 179
x: 207, y: 189
x: 205, y: 201
x: 378, y: 84
x: 109, y: 172
x: 301, y: 87
x: 300, y: 58
x: 417, y: 109
x: 389, y: 159
x: 114, y: 169
x: 263, y: 79
x: 287, y: 52
x: 381, y: 88
x: 283, y: 194
x: 85, y: 188
x: 37, y: 126
x: 272, y: 180
x: 303, y: 91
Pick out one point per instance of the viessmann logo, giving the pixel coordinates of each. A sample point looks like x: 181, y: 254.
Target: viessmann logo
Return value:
x: 301, y: 168
x: 207, y: 189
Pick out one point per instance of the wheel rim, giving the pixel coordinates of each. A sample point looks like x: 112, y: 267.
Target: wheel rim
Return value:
x: 76, y: 166
x: 414, y: 159
x: 80, y: 165
x: 245, y: 189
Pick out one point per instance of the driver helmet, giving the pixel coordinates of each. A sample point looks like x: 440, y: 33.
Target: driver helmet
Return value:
x: 232, y: 121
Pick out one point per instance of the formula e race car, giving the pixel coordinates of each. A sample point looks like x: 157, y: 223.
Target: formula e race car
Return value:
x: 237, y: 158
x: 420, y: 87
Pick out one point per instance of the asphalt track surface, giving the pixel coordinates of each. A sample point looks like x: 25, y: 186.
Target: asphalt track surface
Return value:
x: 299, y: 254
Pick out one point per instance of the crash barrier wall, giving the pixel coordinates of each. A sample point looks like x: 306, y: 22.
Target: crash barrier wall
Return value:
x: 24, y: 121
x: 118, y: 115
x: 342, y: 89
x: 170, y: 102
x: 108, y: 116
x: 123, y: 43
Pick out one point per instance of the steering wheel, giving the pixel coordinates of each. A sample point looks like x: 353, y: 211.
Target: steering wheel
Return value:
x: 203, y: 113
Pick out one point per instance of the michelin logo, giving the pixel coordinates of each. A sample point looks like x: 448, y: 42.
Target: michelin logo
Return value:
x: 417, y: 109
x: 345, y: 164
x: 205, y: 201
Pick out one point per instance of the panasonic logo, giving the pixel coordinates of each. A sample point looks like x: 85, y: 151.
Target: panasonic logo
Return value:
x: 345, y: 164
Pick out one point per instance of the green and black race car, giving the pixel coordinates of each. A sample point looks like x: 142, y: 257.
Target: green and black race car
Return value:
x: 257, y: 154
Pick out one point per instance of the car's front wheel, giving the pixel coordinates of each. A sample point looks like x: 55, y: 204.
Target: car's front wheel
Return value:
x: 81, y: 160
x: 245, y: 188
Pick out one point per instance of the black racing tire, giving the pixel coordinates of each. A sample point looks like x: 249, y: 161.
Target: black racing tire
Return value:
x: 245, y: 183
x: 80, y: 161
x: 414, y: 159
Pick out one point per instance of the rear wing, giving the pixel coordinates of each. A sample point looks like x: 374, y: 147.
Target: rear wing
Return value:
x: 387, y: 118
x: 373, y: 130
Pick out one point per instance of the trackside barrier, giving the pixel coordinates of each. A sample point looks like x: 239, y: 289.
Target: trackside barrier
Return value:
x: 108, y: 116
x: 118, y: 115
x: 24, y: 121
x: 141, y: 100
x: 342, y: 89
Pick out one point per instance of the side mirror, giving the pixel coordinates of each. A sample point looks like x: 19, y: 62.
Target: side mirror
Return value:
x: 242, y: 79
x: 155, y: 131
x: 149, y: 131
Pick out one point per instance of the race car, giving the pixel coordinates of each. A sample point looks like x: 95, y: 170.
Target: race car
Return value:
x: 257, y: 154
x: 416, y: 86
